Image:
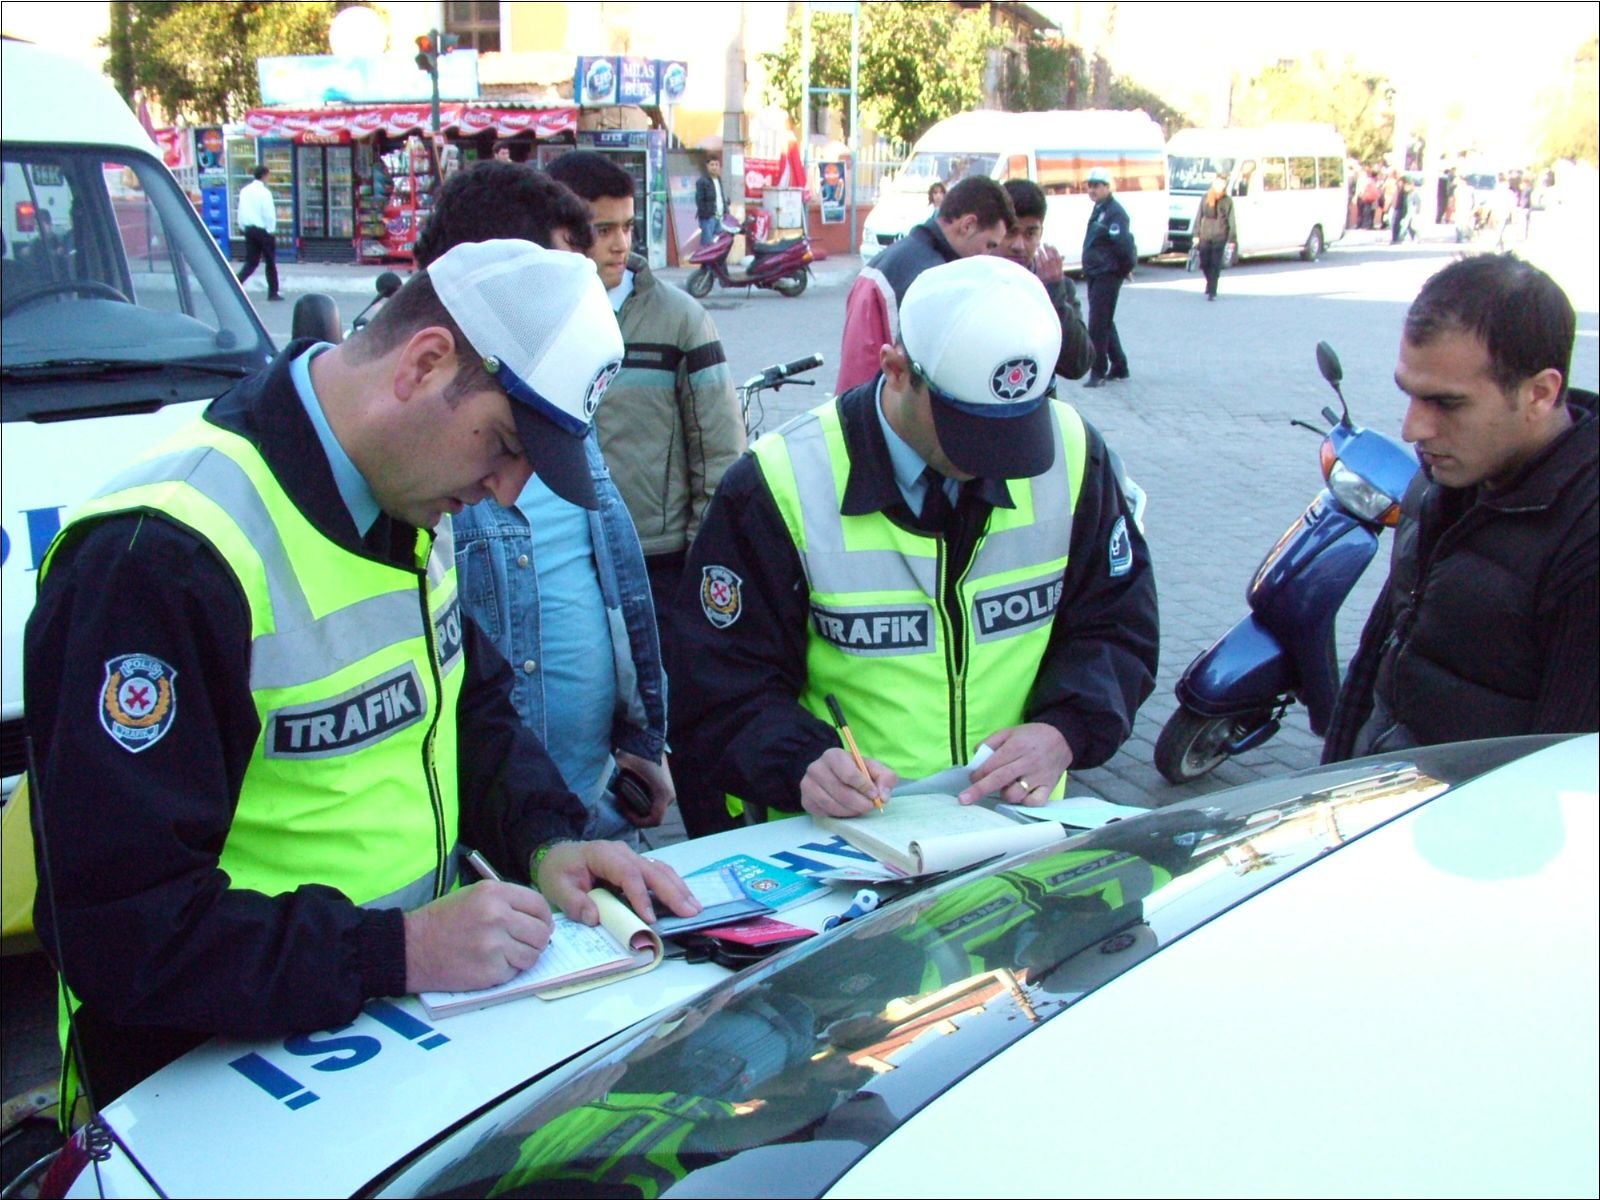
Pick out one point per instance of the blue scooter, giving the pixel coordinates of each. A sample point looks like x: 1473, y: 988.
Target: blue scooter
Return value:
x: 1233, y: 696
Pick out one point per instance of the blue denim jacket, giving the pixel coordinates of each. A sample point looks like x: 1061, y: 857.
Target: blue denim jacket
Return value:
x: 494, y: 559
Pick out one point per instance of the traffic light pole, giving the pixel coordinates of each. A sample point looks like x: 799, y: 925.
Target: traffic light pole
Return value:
x: 429, y: 46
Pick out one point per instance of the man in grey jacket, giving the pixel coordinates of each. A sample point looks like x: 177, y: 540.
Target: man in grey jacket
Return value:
x: 670, y: 425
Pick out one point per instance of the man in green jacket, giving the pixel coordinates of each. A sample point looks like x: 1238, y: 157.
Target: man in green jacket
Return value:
x: 670, y: 425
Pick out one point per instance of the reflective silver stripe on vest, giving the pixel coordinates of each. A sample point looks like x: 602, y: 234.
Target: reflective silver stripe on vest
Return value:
x: 443, y: 555
x: 224, y: 482
x: 302, y: 650
x: 830, y: 568
x: 419, y: 891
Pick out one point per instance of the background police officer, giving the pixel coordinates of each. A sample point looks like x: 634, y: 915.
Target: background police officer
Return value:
x: 943, y: 548
x: 1109, y: 254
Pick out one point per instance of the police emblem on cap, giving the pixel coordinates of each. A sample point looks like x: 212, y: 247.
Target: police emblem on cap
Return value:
x: 720, y: 595
x: 597, y: 388
x: 1011, y: 380
x: 138, y: 702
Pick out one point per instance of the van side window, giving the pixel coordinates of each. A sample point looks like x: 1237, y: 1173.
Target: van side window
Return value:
x: 1274, y: 178
x: 1303, y: 173
x: 1246, y: 180
x: 1016, y: 167
x: 1330, y: 172
x: 1141, y: 173
x: 1060, y: 172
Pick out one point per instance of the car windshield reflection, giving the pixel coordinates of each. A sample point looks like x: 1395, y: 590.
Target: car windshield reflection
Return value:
x: 813, y: 1059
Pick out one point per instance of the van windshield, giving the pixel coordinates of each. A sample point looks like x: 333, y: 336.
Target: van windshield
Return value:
x: 1194, y: 172
x: 104, y: 261
x: 926, y: 167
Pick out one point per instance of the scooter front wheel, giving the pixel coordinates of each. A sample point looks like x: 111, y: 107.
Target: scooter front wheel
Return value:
x: 700, y: 283
x: 1191, y: 746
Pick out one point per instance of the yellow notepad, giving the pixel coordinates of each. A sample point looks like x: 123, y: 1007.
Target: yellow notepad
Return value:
x: 936, y: 832
x: 578, y: 957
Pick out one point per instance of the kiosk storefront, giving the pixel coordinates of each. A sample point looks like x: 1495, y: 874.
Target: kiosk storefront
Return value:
x: 362, y: 177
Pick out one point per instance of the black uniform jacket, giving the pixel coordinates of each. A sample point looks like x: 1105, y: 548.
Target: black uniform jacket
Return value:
x: 735, y: 715
x: 157, y: 946
x: 1108, y: 246
x: 1489, y: 623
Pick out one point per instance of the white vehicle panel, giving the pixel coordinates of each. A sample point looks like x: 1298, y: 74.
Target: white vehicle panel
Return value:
x: 1349, y: 976
x: 321, y: 1114
x: 39, y: 495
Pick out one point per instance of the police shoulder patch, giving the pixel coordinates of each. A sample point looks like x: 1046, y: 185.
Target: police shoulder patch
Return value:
x: 721, y: 595
x: 138, y: 701
x: 1119, y: 549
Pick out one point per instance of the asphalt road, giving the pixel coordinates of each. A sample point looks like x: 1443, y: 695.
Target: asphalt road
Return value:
x: 1203, y: 425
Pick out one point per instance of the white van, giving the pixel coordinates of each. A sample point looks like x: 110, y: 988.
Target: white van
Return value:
x: 1056, y: 150
x: 1287, y: 181
x: 120, y: 318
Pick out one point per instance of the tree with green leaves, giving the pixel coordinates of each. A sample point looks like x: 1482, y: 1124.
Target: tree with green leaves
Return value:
x: 1126, y: 94
x: 919, y: 64
x: 1359, y: 104
x: 199, y: 60
x: 1567, y: 124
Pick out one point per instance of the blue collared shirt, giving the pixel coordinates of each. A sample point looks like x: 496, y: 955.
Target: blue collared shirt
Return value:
x: 907, y: 463
x: 353, y: 489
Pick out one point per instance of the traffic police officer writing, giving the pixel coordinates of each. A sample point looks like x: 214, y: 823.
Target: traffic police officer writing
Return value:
x: 946, y: 549
x: 264, y: 726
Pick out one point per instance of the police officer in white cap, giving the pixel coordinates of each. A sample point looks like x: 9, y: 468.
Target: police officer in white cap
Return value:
x: 945, y: 550
x: 265, y: 730
x: 1109, y: 254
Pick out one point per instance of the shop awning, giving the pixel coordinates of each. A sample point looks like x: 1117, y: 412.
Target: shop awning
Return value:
x: 463, y: 118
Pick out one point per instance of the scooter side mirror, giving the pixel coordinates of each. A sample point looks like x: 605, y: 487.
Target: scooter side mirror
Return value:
x: 389, y: 283
x: 1328, y: 364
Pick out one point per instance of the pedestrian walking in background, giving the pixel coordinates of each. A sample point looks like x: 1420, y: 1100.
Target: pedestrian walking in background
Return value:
x: 1108, y: 257
x: 1216, y: 229
x: 258, y: 217
x: 710, y: 201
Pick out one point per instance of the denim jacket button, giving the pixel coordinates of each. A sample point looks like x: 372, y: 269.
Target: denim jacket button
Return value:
x: 522, y: 560
x: 530, y: 666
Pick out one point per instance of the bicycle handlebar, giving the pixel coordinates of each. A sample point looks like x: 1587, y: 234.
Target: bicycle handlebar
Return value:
x: 785, y: 370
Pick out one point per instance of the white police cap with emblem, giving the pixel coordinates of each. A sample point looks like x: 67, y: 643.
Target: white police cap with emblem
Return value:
x: 542, y: 324
x: 983, y: 333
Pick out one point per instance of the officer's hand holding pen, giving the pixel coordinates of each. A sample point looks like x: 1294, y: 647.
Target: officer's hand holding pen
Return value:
x: 475, y: 937
x: 843, y: 783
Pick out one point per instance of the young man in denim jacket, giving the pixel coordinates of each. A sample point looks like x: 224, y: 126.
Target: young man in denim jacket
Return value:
x: 561, y: 590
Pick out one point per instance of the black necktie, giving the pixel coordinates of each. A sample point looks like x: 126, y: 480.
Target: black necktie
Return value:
x: 936, y: 507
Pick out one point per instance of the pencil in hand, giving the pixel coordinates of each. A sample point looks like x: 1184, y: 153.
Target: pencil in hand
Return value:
x: 850, y: 744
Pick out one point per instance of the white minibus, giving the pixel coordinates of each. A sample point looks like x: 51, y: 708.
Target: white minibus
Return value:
x: 1056, y: 150
x: 1287, y: 181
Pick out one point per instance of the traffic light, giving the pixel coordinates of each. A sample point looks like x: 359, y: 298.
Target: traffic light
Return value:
x: 430, y: 46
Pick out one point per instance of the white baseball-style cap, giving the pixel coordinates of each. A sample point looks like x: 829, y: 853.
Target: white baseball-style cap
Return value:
x: 983, y: 333
x: 1099, y: 175
x: 542, y: 324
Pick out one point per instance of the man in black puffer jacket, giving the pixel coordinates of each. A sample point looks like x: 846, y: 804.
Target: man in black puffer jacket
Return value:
x: 1487, y: 626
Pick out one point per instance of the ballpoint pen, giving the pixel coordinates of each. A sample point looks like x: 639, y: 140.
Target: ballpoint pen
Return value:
x: 480, y: 864
x: 850, y: 744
